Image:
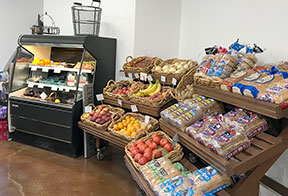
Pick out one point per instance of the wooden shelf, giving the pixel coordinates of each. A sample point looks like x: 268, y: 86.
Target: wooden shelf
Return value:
x: 261, y: 107
x: 262, y: 149
x: 57, y: 69
x: 144, y: 186
x: 141, y: 108
x: 105, y: 135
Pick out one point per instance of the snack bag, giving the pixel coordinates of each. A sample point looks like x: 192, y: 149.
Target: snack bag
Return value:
x: 229, y: 143
x: 250, y: 124
x: 208, y: 180
x: 158, y: 170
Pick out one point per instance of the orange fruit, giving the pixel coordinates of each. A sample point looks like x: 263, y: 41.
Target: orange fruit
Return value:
x: 115, y: 127
x: 132, y: 134
x: 127, y: 117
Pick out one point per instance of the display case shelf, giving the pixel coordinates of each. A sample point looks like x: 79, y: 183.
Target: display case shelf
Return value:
x: 57, y: 69
x: 53, y: 87
x: 261, y: 107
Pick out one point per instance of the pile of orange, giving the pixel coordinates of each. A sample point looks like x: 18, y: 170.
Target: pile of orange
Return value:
x: 129, y: 126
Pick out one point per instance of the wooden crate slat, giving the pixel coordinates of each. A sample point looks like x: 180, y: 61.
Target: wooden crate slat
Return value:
x: 242, y: 156
x: 268, y: 138
x: 261, y: 144
x: 253, y: 150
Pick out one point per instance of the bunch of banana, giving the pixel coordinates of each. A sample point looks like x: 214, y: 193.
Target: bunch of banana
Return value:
x: 151, y: 90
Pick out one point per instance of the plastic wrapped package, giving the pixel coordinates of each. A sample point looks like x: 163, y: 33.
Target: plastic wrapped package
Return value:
x: 199, y: 125
x: 229, y: 143
x: 208, y: 180
x: 232, y: 115
x: 158, y: 170
x: 276, y: 92
x: 165, y: 114
x: 211, y: 107
x: 250, y: 124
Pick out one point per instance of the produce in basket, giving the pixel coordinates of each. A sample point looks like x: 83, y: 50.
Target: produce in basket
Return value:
x: 100, y: 115
x: 174, y: 66
x: 38, y: 61
x: 122, y: 89
x: 153, y: 91
x: 86, y: 65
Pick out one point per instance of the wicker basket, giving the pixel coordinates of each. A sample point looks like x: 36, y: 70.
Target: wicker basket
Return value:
x: 169, y: 76
x: 152, y: 125
x: 52, y: 97
x: 116, y: 114
x: 134, y: 61
x: 174, y: 155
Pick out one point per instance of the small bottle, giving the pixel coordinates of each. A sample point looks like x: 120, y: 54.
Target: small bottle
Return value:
x: 83, y: 80
x: 71, y: 79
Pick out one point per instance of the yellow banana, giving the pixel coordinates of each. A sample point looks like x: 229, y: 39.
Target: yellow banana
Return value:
x: 158, y: 88
x: 147, y: 89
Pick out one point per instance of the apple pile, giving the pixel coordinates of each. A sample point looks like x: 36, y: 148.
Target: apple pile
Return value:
x: 142, y: 152
x: 158, y: 96
x: 101, y: 115
x: 122, y: 89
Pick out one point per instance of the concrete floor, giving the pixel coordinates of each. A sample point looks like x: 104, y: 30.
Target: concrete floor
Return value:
x: 29, y: 171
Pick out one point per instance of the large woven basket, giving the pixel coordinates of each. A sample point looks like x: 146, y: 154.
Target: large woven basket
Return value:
x: 174, y: 155
x: 132, y: 61
x: 116, y: 114
x: 169, y: 76
x: 152, y: 125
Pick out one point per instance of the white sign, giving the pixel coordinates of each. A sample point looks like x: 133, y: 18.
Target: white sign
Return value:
x: 45, y: 69
x: 147, y: 118
x: 67, y: 89
x: 149, y: 77
x: 54, y: 88
x: 174, y: 81
x: 100, y: 97
x: 130, y: 76
x: 33, y: 68
x: 57, y: 70
x: 163, y: 79
x: 120, y: 102
x: 61, y: 88
x: 143, y: 76
x: 40, y: 85
x: 134, y: 108
x: 88, y: 109
x: 30, y: 84
x: 43, y: 95
x: 136, y: 75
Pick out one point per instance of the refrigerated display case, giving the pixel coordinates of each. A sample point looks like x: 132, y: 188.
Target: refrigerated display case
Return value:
x: 47, y: 78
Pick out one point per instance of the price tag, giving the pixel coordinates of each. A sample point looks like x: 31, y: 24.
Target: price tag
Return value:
x: 88, y: 109
x: 100, y: 97
x: 30, y: 84
x: 40, y: 85
x: 143, y: 76
x: 54, y: 88
x: 67, y: 89
x: 43, y: 95
x: 163, y: 79
x: 45, y: 69
x: 130, y: 76
x: 61, y: 88
x: 147, y: 118
x: 149, y: 78
x: 174, y: 81
x: 175, y: 139
x: 136, y: 75
x: 57, y: 70
x: 134, y: 108
x: 33, y: 68
x: 120, y: 102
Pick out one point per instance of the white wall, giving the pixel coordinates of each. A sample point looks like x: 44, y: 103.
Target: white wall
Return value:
x: 157, y: 28
x: 17, y: 16
x: 118, y: 21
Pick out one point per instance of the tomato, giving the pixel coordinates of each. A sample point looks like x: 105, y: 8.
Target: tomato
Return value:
x: 148, y: 149
x: 140, y: 144
x: 148, y: 156
x: 134, y: 152
x: 156, y: 139
x: 153, y: 146
x: 158, y: 154
x: 142, y: 148
x: 131, y: 149
x: 137, y: 157
x: 142, y: 161
x: 154, y: 134
x: 131, y: 145
x: 163, y: 142
x: 139, y: 141
x: 148, y: 142
x: 168, y: 147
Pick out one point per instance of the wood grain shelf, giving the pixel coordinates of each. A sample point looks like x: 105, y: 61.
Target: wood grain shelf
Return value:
x: 262, y: 149
x: 141, y: 108
x: 261, y: 107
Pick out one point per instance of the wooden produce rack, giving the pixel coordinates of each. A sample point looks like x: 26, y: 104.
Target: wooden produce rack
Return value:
x: 155, y: 112
x: 144, y: 186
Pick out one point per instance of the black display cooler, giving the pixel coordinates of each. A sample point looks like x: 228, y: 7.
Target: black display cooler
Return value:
x: 49, y: 125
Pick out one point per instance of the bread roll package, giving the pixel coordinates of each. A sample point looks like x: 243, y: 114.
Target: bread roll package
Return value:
x: 199, y: 125
x: 233, y: 115
x: 208, y: 180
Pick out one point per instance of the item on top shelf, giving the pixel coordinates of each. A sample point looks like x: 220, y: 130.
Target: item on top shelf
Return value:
x: 158, y: 170
x: 153, y: 146
x: 132, y: 125
x: 90, y: 65
x: 208, y: 180
x: 276, y: 92
x: 283, y: 66
x: 71, y: 79
x: 246, y: 61
x: 140, y: 64
x: 45, y: 62
x: 101, y: 116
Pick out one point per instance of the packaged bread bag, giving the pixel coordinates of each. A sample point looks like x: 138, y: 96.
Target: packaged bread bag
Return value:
x: 199, y: 125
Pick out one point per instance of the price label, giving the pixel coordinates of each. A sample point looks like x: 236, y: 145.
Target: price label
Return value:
x: 174, y: 81
x: 136, y: 75
x: 40, y: 85
x: 57, y: 70
x: 120, y: 102
x: 147, y: 118
x: 100, y: 97
x: 67, y: 89
x: 163, y: 79
x: 45, y: 69
x: 30, y: 84
x: 149, y: 78
x: 130, y: 76
x: 61, y: 88
x: 175, y: 139
x: 43, y: 95
x: 143, y: 76
x: 88, y: 109
x: 54, y: 88
x: 134, y: 108
x: 33, y: 68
